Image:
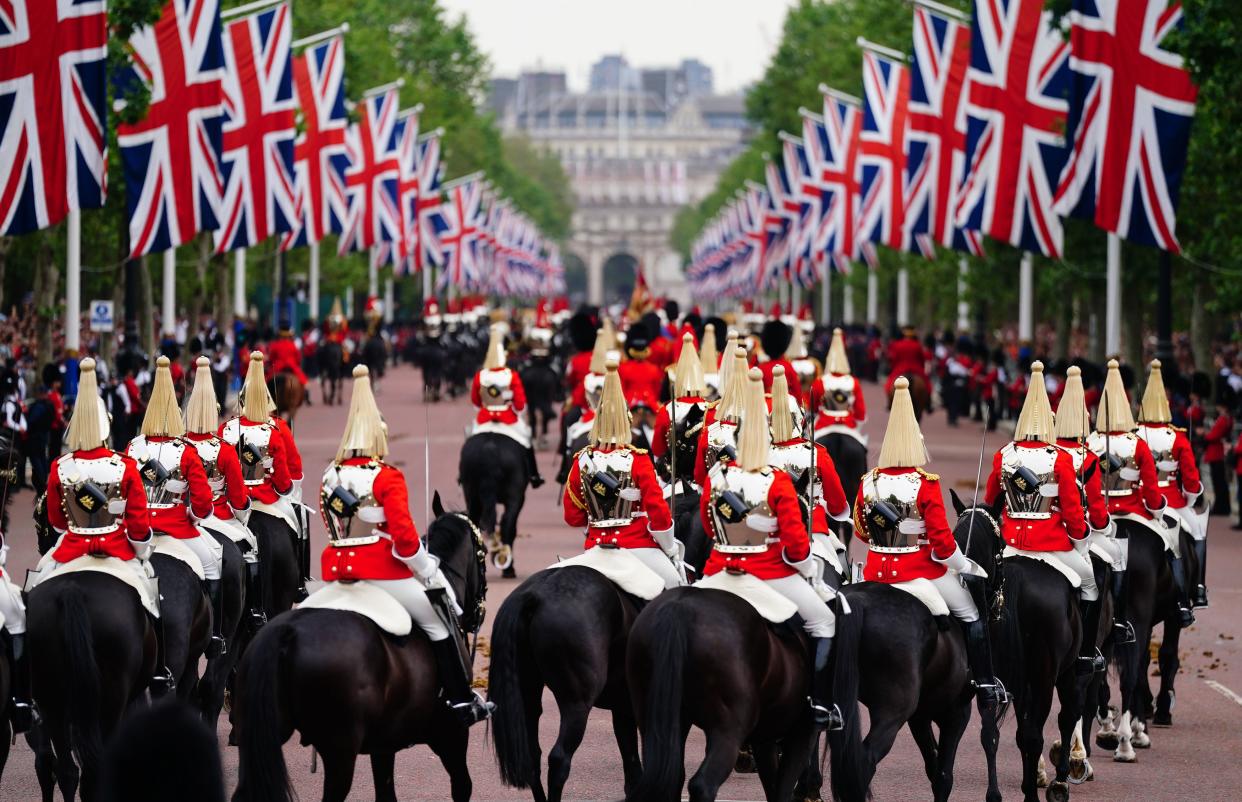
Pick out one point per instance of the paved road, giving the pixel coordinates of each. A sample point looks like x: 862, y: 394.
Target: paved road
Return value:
x: 1196, y: 759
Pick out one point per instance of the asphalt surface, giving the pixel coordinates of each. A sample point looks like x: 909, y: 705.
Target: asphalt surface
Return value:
x: 1197, y: 759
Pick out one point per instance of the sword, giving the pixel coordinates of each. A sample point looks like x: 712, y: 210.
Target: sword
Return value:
x: 983, y: 445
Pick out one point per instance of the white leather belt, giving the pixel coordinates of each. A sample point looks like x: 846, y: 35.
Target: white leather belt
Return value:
x: 162, y: 506
x: 365, y: 540
x: 1165, y: 483
x: 897, y: 549
x: 1029, y: 516
x: 912, y: 526
x: 254, y: 482
x: 91, y: 531
x: 837, y: 413
x: 611, y: 523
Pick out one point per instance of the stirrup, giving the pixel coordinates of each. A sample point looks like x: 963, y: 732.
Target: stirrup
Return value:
x: 993, y: 694
x: 1123, y: 632
x: 257, y: 617
x: 473, y: 711
x: 216, y: 646
x: 1187, y: 615
x: 1089, y: 664
x: 162, y: 682
x: 302, y: 593
x: 828, y: 719
x: 24, y: 716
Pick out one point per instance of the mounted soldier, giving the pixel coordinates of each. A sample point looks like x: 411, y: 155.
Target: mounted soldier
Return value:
x: 1177, y: 472
x: 718, y: 442
x: 689, y: 410
x: 1132, y: 481
x: 899, y: 514
x: 1036, y: 486
x: 709, y: 359
x: 806, y: 368
x: 837, y: 396
x: 752, y: 513
x: 13, y: 620
x: 612, y: 490
x: 498, y: 393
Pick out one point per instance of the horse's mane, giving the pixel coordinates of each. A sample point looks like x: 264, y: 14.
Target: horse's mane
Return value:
x: 443, y: 536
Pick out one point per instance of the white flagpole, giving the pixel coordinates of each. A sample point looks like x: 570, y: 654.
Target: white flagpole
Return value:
x: 372, y: 275
x: 873, y: 297
x: 239, y: 283
x: 322, y: 36
x: 168, y: 307
x: 903, y: 297
x: 963, y: 308
x: 73, y: 283
x: 1112, y: 298
x: 1026, y: 298
x: 313, y: 297
x: 389, y: 296
x: 847, y: 303
x: 427, y: 285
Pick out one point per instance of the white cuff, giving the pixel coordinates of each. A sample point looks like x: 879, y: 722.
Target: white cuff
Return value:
x: 841, y: 516
x: 955, y: 562
x: 1106, y: 531
x: 664, y: 537
x: 806, y: 568
x: 423, y: 563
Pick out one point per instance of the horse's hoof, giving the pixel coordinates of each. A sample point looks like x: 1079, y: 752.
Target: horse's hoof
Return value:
x: 745, y: 763
x: 1057, y: 792
x: 1125, y: 755
x: 509, y: 573
x: 1054, y: 753
x: 1080, y: 771
x: 1041, y: 774
x: 1141, y: 740
x: 1162, y: 718
x: 502, y: 557
x: 1106, y: 740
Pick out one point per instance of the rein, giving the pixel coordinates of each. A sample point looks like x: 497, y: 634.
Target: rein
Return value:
x: 480, y: 559
x: 998, y: 601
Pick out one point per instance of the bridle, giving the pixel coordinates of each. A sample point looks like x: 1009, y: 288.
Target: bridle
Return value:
x: 998, y: 601
x: 480, y: 596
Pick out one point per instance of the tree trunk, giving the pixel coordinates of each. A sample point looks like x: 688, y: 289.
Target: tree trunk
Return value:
x: 198, y: 292
x: 1200, y: 327
x: 223, y: 271
x: 1064, y: 323
x: 107, y: 342
x: 146, y: 308
x: 1132, y: 328
x: 46, y: 300
x: 5, y: 244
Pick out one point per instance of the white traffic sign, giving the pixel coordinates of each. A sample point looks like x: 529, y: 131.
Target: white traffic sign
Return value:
x: 101, y: 316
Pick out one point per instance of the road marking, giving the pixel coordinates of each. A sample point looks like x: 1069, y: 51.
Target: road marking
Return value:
x: 1223, y: 691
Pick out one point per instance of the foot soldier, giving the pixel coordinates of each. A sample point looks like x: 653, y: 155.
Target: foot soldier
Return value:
x: 498, y: 393
x: 751, y: 512
x: 365, y: 507
x: 613, y: 491
x: 899, y: 514
x: 1042, y: 510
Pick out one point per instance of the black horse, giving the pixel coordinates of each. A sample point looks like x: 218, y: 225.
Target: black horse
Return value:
x: 278, y: 561
x: 564, y: 629
x: 758, y: 696
x: 219, y: 669
x: 849, y: 456
x: 374, y: 355
x: 351, y: 689
x: 1037, y: 643
x: 431, y: 359
x: 161, y: 752
x: 543, y: 392
x: 185, y: 617
x: 493, y: 471
x: 6, y: 686
x: 331, y: 359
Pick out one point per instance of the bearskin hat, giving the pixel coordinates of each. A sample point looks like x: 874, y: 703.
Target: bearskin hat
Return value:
x: 775, y: 338
x: 582, y: 327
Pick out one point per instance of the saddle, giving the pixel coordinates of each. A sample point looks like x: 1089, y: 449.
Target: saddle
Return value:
x: 1172, y: 537
x: 769, y: 604
x: 170, y: 546
x: 621, y: 568
x: 516, y: 431
x: 1047, y: 558
x: 145, y: 587
x: 923, y: 590
x: 365, y: 599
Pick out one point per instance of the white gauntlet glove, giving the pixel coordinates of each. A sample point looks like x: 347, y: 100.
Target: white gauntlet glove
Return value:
x: 423, y: 563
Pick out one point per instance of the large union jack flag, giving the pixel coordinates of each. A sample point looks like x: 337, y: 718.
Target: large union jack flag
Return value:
x: 1016, y: 108
x: 882, y: 153
x: 802, y: 231
x: 780, y: 217
x: 463, y: 219
x: 428, y: 251
x: 371, y: 180
x: 832, y: 147
x: 172, y: 156
x: 320, y: 159
x: 259, y: 108
x: 407, y: 188
x: 1131, y: 104
x: 937, y: 137
x: 52, y: 129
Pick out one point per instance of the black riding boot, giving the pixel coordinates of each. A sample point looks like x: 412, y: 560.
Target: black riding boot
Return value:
x: 254, y: 595
x: 1089, y: 658
x: 1184, y: 608
x: 1123, y: 630
x: 533, y: 464
x: 988, y: 690
x: 22, y: 711
x: 827, y: 715
x: 461, y: 698
x: 301, y: 552
x: 1201, y: 597
x: 162, y: 680
x: 216, y: 646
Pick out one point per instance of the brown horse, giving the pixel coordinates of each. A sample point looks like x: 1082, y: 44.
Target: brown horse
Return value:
x: 288, y: 393
x: 920, y: 394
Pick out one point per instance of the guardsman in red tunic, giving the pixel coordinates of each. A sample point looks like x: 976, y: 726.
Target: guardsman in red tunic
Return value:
x: 178, y: 495
x: 1042, y: 505
x: 498, y: 393
x: 338, y: 326
x: 718, y: 442
x: 751, y: 512
x: 837, y: 396
x: 905, y: 355
x: 613, y: 491
x: 689, y: 409
x: 1216, y: 439
x: 366, y: 508
x: 899, y: 514
x: 1131, y: 481
x: 582, y: 330
x: 640, y: 375
x: 775, y: 338
x: 1177, y: 473
x: 283, y: 355
x: 806, y: 368
x: 709, y: 359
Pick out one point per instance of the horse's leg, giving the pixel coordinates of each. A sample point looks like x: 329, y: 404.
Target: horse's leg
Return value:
x: 885, y: 724
x: 338, y: 771
x: 625, y: 730
x: 1170, y: 664
x: 514, y: 500
x: 796, y: 753
x: 450, y: 746
x: 382, y: 768
x: 40, y: 743
x: 67, y: 772
x: 952, y: 727
x: 921, y: 729
x: 1068, y: 719
x: 722, y: 749
x: 989, y: 738
x: 1030, y: 736
x: 574, y: 713
x: 767, y: 765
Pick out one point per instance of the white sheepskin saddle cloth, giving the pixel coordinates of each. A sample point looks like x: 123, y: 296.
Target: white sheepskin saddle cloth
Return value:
x: 170, y: 546
x: 282, y: 509
x: 1048, y: 558
x: 1171, y: 537
x: 836, y: 428
x: 365, y: 599
x: 517, y: 431
x: 767, y: 602
x: 923, y: 590
x: 120, y: 569
x: 621, y: 568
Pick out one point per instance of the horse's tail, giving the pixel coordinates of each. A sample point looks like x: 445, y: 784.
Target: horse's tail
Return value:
x: 263, y: 776
x: 849, y: 776
x: 662, y: 744
x: 1009, y: 661
x: 510, y: 734
x: 83, y: 691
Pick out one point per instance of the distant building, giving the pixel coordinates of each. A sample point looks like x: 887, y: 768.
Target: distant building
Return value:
x: 612, y: 73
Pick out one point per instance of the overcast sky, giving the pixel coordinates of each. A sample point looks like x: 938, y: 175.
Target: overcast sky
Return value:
x: 734, y: 37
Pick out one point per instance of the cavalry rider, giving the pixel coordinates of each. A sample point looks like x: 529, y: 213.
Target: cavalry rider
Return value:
x: 96, y: 502
x: 13, y: 621
x: 718, y: 441
x: 178, y: 495
x: 1177, y: 473
x: 582, y: 335
x: 751, y: 512
x: 1131, y: 481
x: 366, y: 508
x: 689, y: 409
x: 612, y: 490
x: 837, y: 395
x: 498, y: 393
x: 1042, y: 504
x: 899, y: 514
x: 905, y: 356
x: 283, y: 355
x: 1073, y: 425
x: 806, y: 370
x: 775, y: 338
x: 710, y: 362
x: 230, y: 499
x: 819, y: 486
x: 640, y: 376
x: 338, y: 327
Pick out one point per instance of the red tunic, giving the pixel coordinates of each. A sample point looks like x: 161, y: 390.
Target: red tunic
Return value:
x: 857, y: 413
x: 1217, y: 439
x: 641, y: 377
x: 792, y: 540
x: 662, y: 354
x: 1097, y: 504
x: 1147, y: 497
x: 791, y: 377
x: 1187, y: 469
x: 282, y: 354
x: 579, y: 367
x: 834, y: 493
x: 175, y: 520
x: 1066, y: 522
x: 659, y: 435
x: 894, y: 568
x: 234, y: 495
x: 293, y: 457
x: 508, y: 415
x: 397, y: 533
x: 132, y: 527
x: 278, y: 482
x: 637, y: 533
x: 905, y: 356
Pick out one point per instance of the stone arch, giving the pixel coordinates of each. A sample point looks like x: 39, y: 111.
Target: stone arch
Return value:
x: 617, y: 276
x: 575, y: 275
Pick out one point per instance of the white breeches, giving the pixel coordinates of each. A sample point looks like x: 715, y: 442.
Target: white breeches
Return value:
x: 235, y: 531
x: 817, y: 618
x: 209, y: 552
x: 12, y: 610
x: 1196, y: 525
x: 1080, y: 564
x: 658, y: 561
x: 1114, y: 549
x: 412, y: 595
x: 956, y: 597
x: 828, y: 549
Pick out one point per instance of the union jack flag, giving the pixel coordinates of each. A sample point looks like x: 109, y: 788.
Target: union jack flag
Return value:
x: 779, y: 219
x: 428, y: 251
x: 882, y: 153
x: 259, y: 129
x: 832, y: 145
x: 52, y: 123
x: 320, y: 160
x: 459, y: 240
x: 1131, y: 103
x: 371, y: 180
x: 172, y: 156
x: 808, y: 196
x: 407, y: 187
x: 937, y: 135
x: 1015, y: 105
